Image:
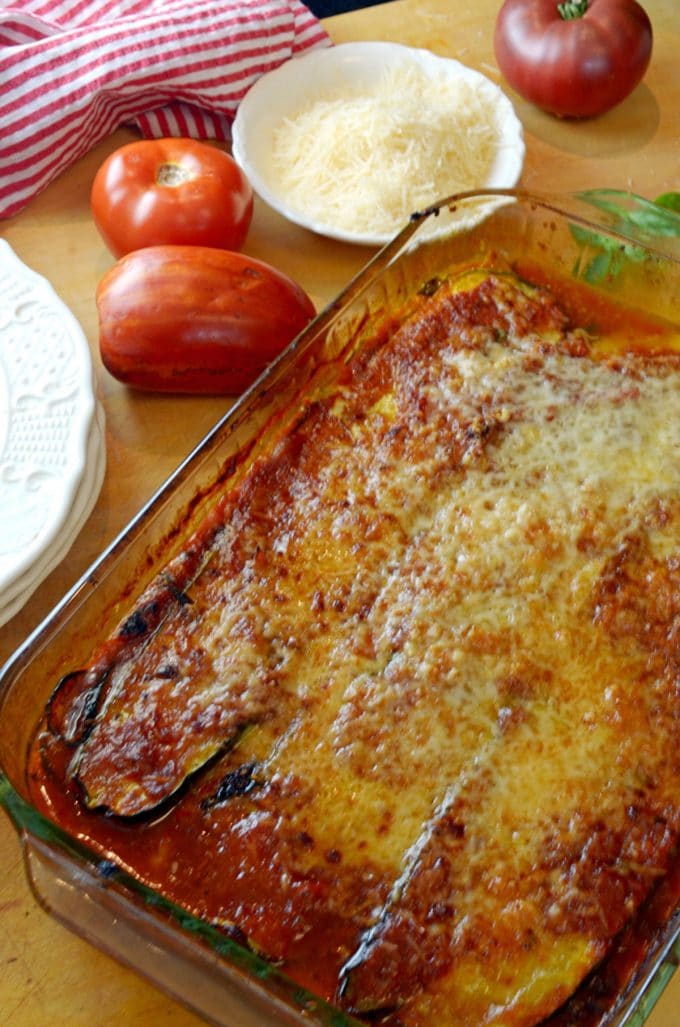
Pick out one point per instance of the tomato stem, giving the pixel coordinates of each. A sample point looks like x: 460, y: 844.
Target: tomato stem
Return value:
x: 172, y: 175
x: 571, y: 9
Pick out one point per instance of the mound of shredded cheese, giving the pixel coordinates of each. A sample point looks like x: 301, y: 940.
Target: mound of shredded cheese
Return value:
x: 364, y: 159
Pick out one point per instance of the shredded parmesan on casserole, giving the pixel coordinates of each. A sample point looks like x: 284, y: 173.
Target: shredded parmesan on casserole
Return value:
x: 364, y: 161
x: 426, y: 657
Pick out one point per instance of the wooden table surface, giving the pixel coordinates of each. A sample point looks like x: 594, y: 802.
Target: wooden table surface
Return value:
x: 47, y: 975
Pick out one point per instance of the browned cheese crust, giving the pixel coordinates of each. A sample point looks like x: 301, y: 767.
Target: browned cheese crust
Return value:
x: 409, y: 703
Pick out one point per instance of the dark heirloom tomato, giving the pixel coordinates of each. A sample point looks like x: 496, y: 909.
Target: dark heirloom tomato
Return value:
x: 575, y: 59
x: 179, y: 191
x: 195, y: 318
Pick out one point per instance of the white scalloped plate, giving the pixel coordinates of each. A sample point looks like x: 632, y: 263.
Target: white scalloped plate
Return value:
x: 281, y: 93
x: 47, y: 427
x: 23, y: 587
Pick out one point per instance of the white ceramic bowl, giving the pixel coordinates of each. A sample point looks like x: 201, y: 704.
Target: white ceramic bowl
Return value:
x: 281, y: 93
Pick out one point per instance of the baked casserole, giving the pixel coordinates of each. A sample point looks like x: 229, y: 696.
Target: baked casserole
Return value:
x: 403, y: 714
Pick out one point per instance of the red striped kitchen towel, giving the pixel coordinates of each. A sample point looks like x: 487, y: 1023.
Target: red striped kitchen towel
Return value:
x: 72, y: 71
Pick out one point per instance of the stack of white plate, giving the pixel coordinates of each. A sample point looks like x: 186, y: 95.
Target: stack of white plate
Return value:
x: 52, y: 448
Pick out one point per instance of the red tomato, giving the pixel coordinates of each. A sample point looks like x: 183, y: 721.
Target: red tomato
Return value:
x: 195, y: 318
x: 179, y: 191
x: 575, y: 59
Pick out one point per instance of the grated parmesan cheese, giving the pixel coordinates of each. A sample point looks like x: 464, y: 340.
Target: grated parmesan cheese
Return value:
x: 364, y: 161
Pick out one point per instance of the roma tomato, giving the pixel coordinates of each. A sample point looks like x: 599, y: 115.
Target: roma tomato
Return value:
x: 575, y: 59
x: 195, y: 319
x: 178, y: 191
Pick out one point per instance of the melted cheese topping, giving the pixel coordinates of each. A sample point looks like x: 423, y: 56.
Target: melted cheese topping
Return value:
x: 446, y: 611
x: 363, y: 161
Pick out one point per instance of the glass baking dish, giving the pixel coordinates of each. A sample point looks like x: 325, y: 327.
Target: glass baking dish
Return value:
x: 616, y: 243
